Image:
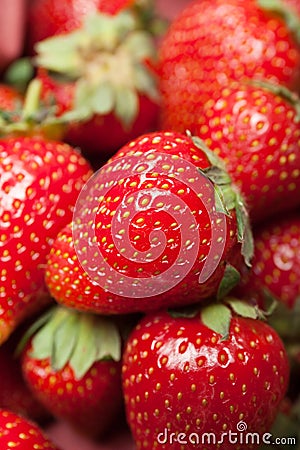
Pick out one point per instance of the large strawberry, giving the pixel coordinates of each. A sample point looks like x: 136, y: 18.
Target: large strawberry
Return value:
x: 203, y: 381
x: 158, y: 225
x: 40, y: 182
x: 105, y: 84
x: 254, y: 128
x: 18, y: 432
x: 72, y: 365
x: 213, y: 42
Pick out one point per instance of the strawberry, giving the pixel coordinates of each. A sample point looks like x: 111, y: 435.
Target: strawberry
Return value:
x: 159, y: 225
x: 40, y: 182
x: 275, y: 270
x: 17, y: 431
x: 205, y: 380
x: 72, y: 365
x: 240, y: 40
x: 254, y: 128
x: 104, y: 107
x: 276, y: 263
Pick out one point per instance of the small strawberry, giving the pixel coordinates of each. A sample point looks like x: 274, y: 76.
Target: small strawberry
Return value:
x: 18, y: 432
x: 192, y: 382
x: 159, y: 225
x: 40, y: 180
x: 214, y: 42
x: 275, y: 272
x: 72, y: 365
x: 106, y: 86
x: 254, y: 128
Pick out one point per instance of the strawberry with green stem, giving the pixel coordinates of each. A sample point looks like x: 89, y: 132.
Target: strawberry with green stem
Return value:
x: 101, y: 81
x: 72, y: 364
x: 159, y: 225
x: 40, y: 181
x: 243, y: 40
x: 191, y: 379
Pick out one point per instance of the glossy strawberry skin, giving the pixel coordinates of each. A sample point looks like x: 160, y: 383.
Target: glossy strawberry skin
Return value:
x: 17, y: 431
x: 238, y: 41
x: 276, y: 263
x: 256, y: 132
x: 40, y: 182
x: 89, y: 404
x: 178, y: 375
x: 51, y: 17
x: 73, y: 286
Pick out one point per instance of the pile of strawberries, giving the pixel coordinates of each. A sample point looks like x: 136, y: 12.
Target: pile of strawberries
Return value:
x: 150, y: 225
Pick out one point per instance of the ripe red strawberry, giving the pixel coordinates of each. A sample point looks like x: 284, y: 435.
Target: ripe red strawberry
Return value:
x: 255, y: 130
x: 241, y: 39
x: 275, y: 270
x: 72, y: 365
x: 187, y: 385
x: 40, y: 182
x: 159, y: 225
x: 275, y: 273
x: 104, y: 106
x: 16, y: 431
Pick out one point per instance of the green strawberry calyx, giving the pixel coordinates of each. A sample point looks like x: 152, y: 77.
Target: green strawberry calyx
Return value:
x: 32, y: 117
x: 66, y: 336
x: 108, y: 59
x: 217, y: 315
x: 286, y: 12
x: 228, y: 198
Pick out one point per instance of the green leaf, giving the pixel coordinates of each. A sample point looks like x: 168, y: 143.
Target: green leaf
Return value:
x: 141, y: 45
x: 60, y: 54
x: 42, y: 341
x: 145, y: 82
x: 19, y: 73
x: 108, y: 341
x: 85, y: 352
x: 64, y: 341
x: 230, y: 279
x: 42, y: 320
x: 127, y: 105
x: 242, y: 308
x: 217, y: 317
x: 212, y: 157
x: 245, y: 235
x: 103, y: 99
